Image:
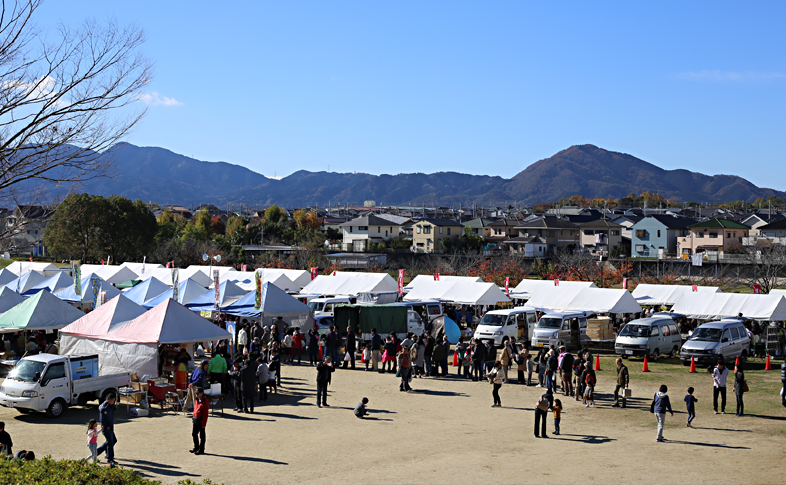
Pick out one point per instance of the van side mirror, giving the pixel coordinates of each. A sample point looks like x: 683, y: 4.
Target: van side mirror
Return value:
x: 725, y: 340
x: 37, y: 377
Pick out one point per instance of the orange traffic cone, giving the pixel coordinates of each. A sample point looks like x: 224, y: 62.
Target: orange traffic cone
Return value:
x: 362, y: 357
x: 692, y: 366
x: 597, y: 362
x: 645, y: 368
x: 767, y: 365
x: 737, y: 362
x: 320, y: 354
x: 455, y: 359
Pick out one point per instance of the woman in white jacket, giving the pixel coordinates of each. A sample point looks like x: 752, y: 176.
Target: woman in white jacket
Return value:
x: 495, y: 378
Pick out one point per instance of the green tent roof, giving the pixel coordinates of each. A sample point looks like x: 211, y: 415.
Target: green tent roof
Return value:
x: 43, y: 311
x: 127, y: 284
x: 719, y: 224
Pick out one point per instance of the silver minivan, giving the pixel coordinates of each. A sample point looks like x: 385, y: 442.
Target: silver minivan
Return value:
x: 556, y: 328
x: 651, y: 336
x: 727, y: 337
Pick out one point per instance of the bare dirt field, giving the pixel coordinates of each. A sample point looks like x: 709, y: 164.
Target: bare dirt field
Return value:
x: 445, y: 432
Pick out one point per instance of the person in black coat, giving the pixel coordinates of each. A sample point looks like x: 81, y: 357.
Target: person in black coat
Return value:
x: 248, y: 384
x: 324, y: 371
x: 542, y: 414
x: 313, y: 347
x: 235, y: 377
x: 351, y: 348
x: 478, y: 357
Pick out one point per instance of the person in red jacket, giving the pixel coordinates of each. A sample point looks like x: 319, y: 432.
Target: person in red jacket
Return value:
x: 199, y: 421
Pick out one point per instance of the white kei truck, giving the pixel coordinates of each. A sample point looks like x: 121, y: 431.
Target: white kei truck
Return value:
x: 51, y: 383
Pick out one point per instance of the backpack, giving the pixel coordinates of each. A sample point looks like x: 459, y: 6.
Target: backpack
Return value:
x: 590, y: 380
x: 413, y: 352
x: 543, y: 403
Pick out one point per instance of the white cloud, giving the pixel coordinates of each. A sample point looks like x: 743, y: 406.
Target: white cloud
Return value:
x: 154, y: 99
x: 39, y: 90
x: 718, y: 75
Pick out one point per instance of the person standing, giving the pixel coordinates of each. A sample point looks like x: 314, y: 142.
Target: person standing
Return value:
x: 351, y: 347
x: 551, y: 371
x: 217, y: 370
x: 690, y: 403
x: 417, y: 356
x: 242, y: 339
x: 521, y: 364
x: 235, y: 376
x: 376, y: 345
x: 495, y: 378
x: 491, y: 355
x: 719, y: 375
x: 478, y: 356
x: 404, y: 367
x: 566, y: 372
x: 313, y: 347
x: 542, y: 407
x: 297, y: 346
x: 623, y: 379
x: 461, y: 352
x: 739, y: 389
x: 324, y: 371
x: 428, y: 351
x: 505, y: 356
x: 332, y: 341
x: 7, y: 444
x: 248, y: 383
x: 661, y: 404
x: 106, y: 416
x: 199, y: 421
x: 557, y: 415
x: 262, y: 375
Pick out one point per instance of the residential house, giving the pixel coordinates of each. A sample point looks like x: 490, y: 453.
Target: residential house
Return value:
x: 557, y: 234
x: 427, y: 234
x: 503, y: 229
x: 656, y: 234
x: 26, y: 225
x: 600, y: 236
x: 480, y: 226
x: 528, y: 246
x: 770, y: 234
x: 712, y: 235
x: 358, y: 234
x: 626, y: 221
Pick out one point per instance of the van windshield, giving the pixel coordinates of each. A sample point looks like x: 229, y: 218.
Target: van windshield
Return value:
x: 26, y: 370
x: 316, y: 306
x: 493, y: 320
x: 706, y: 334
x: 635, y: 331
x: 549, y: 322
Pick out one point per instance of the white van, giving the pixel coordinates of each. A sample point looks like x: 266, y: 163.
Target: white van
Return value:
x: 515, y: 323
x: 561, y: 328
x: 433, y: 308
x: 325, y: 306
x: 651, y: 336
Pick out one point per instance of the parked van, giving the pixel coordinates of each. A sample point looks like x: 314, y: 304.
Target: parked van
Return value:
x: 558, y: 328
x: 515, y: 323
x: 651, y: 336
x: 322, y: 306
x: 433, y: 308
x: 728, y: 337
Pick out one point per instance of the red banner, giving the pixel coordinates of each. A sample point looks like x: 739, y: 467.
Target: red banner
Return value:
x: 757, y: 289
x: 243, y: 267
x: 556, y: 282
x: 695, y: 288
x: 507, y: 285
x: 401, y: 282
x: 314, y: 272
x: 436, y: 276
x: 624, y: 283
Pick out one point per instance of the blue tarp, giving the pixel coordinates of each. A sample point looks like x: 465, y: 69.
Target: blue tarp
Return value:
x: 58, y: 282
x: 146, y: 291
x: 188, y: 291
x: 275, y: 301
x: 228, y: 293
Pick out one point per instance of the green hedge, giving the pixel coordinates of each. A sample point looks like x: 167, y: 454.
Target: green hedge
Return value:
x: 68, y: 472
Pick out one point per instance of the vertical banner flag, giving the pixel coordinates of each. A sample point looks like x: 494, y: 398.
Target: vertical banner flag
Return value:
x: 95, y: 283
x: 144, y: 260
x: 258, y: 286
x: 624, y: 283
x: 102, y: 298
x: 314, y: 272
x: 76, y: 272
x: 556, y: 282
x: 507, y: 285
x: 217, y: 305
x: 436, y: 276
x: 401, y: 282
x: 176, y: 284
x: 757, y: 289
x: 243, y: 267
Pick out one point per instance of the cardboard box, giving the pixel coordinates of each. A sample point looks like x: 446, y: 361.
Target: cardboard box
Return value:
x: 134, y: 377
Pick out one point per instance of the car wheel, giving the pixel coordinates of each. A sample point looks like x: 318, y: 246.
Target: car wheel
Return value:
x: 673, y: 352
x: 56, y: 408
x: 655, y: 355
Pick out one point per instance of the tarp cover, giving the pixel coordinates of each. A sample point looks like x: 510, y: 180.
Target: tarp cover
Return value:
x: 442, y: 326
x: 188, y: 291
x: 651, y: 295
x: 275, y: 303
x: 26, y: 282
x: 43, y: 311
x: 105, y: 319
x: 168, y: 323
x: 9, y: 299
x: 228, y: 293
x: 770, y: 307
x: 53, y: 284
x: 115, y: 357
x: 70, y: 295
x: 7, y: 276
x: 146, y: 291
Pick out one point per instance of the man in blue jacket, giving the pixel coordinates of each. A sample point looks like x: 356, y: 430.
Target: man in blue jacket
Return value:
x: 106, y: 416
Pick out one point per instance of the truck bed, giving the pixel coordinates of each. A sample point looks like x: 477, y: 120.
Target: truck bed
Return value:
x: 95, y: 384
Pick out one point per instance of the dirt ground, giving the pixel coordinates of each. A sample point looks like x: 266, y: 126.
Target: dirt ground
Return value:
x: 444, y: 432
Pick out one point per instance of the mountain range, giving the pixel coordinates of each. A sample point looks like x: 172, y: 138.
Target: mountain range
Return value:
x: 159, y: 175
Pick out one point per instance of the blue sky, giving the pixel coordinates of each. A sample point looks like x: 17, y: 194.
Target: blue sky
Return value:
x: 477, y: 87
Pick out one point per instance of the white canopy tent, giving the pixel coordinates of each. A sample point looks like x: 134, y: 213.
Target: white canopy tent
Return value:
x: 526, y: 288
x: 141, y: 268
x: 553, y: 297
x: 778, y: 291
x: 458, y: 291
x: 106, y: 318
x: 299, y: 277
x: 21, y: 267
x: 770, y: 307
x: 350, y: 284
x: 653, y: 295
x: 7, y: 276
x: 26, y: 282
x: 603, y: 300
x: 426, y: 278
x: 9, y: 299
x: 246, y: 280
x: 110, y: 273
x: 86, y: 297
x: 165, y: 276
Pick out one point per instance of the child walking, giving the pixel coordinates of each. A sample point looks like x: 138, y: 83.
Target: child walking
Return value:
x: 530, y: 369
x: 690, y: 402
x: 557, y: 414
x: 92, y: 439
x: 367, y: 354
